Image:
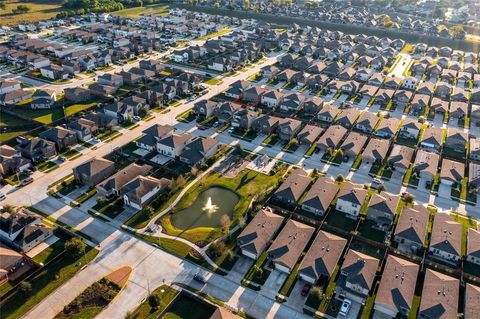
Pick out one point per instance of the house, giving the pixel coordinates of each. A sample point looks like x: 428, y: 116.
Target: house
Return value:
x: 443, y: 90
x: 312, y: 105
x: 328, y: 113
x: 474, y: 175
x: 397, y: 288
x: 456, y: 140
x: 473, y: 246
x: 432, y: 139
x: 410, y: 129
x: 418, y: 104
x: 400, y: 158
x: 458, y: 110
x: 332, y: 137
x: 152, y: 135
x: 472, y: 306
x: 101, y: 90
x: 255, y: 237
x: 309, y: 134
x: 292, y: 188
x: 350, y: 200
x: 426, y: 164
x: 244, y: 119
x: 288, y: 128
x: 320, y: 196
x: 114, y: 80
x: 401, y: 98
x: 199, y: 150
x: 266, y: 124
x: 142, y: 190
x: 93, y: 171
x: 375, y: 151
x: 272, y: 99
x: 446, y: 238
x: 387, y: 127
x: 348, y: 117
x: 440, y: 296
x: 62, y: 137
x: 112, y: 186
x: 204, y: 108
x: 10, y: 261
x: 367, y: 122
x: 322, y: 258
x: 409, y: 83
x: 237, y: 88
x: 43, y: 99
x: 353, y: 144
x: 291, y: 103
x: 439, y: 106
x: 7, y: 86
x: 382, y: 209
x: 173, y: 145
x: 11, y: 161
x: 452, y: 172
x: 14, y: 97
x: 289, y: 245
x: 253, y: 94
x: 474, y: 152
x: 411, y: 229
x: 21, y: 229
x: 77, y: 94
x: 54, y: 72
x: 37, y: 149
x: 357, y: 276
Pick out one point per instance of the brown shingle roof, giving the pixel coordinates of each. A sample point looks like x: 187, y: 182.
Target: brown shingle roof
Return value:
x: 321, y: 194
x: 472, y: 302
x: 352, y: 194
x: 412, y: 224
x: 289, y: 244
x: 473, y: 242
x: 452, y: 171
x: 323, y: 255
x: 446, y: 234
x: 439, y: 296
x: 359, y: 268
x: 259, y: 231
x: 294, y: 186
x: 377, y: 149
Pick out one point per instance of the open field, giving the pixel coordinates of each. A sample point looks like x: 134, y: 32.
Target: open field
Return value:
x: 39, y: 9
x: 158, y: 9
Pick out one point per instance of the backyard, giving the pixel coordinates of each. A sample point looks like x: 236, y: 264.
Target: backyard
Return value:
x: 144, y: 311
x: 183, y: 306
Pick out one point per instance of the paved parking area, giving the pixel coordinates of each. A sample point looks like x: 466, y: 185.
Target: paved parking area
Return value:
x: 274, y: 283
x: 296, y: 300
x: 354, y: 312
x: 240, y: 268
x: 444, y: 190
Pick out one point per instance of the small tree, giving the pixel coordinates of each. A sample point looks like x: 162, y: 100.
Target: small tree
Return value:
x: 25, y: 288
x: 75, y: 246
x: 339, y: 178
x: 154, y: 301
x: 194, y: 171
x: 408, y: 198
x: 149, y: 211
x: 316, y: 292
x: 225, y: 222
x: 380, y: 188
x: 216, y: 248
x: 129, y: 315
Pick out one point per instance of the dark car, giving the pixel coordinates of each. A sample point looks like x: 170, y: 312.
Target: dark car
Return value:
x: 306, y: 290
x: 26, y: 181
x: 198, y: 277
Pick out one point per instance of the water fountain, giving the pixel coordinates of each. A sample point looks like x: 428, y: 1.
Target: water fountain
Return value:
x: 209, y: 207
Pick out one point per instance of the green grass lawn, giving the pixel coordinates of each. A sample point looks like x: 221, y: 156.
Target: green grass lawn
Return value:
x: 215, y: 34
x: 52, y: 251
x: 39, y: 10
x: 10, y: 120
x: 144, y: 311
x: 271, y: 140
x: 247, y: 184
x: 71, y: 154
x: 212, y: 81
x: 46, y: 166
x: 466, y: 224
x: 339, y: 220
x: 185, y: 307
x: 44, y: 116
x: 45, y: 283
x: 158, y: 10
x: 110, y: 209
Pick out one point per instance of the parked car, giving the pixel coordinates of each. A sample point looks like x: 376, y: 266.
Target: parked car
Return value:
x: 199, y: 278
x: 376, y: 183
x: 306, y: 290
x: 62, y: 159
x: 2, y: 196
x: 137, y: 118
x: 26, y: 181
x: 345, y: 308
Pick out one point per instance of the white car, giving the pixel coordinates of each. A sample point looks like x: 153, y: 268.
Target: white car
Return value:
x: 345, y: 308
x: 137, y: 118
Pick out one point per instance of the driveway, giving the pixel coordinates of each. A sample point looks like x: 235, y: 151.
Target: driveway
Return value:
x: 240, y: 268
x: 444, y: 190
x: 296, y: 300
x: 274, y: 283
x: 354, y: 312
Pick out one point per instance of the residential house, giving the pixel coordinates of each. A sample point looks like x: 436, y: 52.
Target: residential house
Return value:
x: 244, y: 119
x: 309, y: 134
x: 411, y: 229
x: 357, y: 276
x: 320, y: 196
x: 440, y: 296
x: 367, y: 122
x: 410, y: 129
x: 350, y: 200
x: 37, y: 149
x: 432, y: 139
x: 7, y: 86
x: 62, y: 137
x: 289, y: 245
x: 400, y: 158
x: 199, y: 150
x: 111, y: 187
x: 353, y: 145
x: 93, y: 171
x: 348, y: 117
x: 382, y: 209
x: 10, y: 261
x: 375, y: 151
x: 84, y: 129
x: 387, y: 128
x: 172, y: 145
x: 446, y: 238
x: 288, y: 128
x: 142, y: 189
x: 292, y: 188
x: 272, y: 99
x: 328, y: 113
x: 332, y: 137
x: 312, y: 105
x: 322, y: 258
x: 452, y: 172
x: 204, y: 108
x: 114, y: 80
x: 396, y: 291
x: 473, y: 246
x: 456, y: 140
x: 472, y: 306
x: 266, y: 124
x: 43, y: 99
x: 77, y: 94
x: 426, y: 164
x: 255, y: 237
x: 14, y: 97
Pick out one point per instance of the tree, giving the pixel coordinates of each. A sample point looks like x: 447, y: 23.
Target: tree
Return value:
x: 25, y: 288
x: 316, y: 292
x: 2, y: 5
x: 246, y: 4
x: 225, y: 221
x: 75, y: 246
x: 408, y: 198
x: 380, y: 188
x: 194, y: 171
x: 216, y: 5
x: 149, y: 211
x: 339, y: 178
x: 216, y: 248
x: 154, y: 301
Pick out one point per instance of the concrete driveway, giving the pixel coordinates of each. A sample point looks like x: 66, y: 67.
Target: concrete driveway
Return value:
x: 296, y: 300
x: 354, y: 312
x: 274, y: 283
x: 240, y: 268
x: 444, y: 190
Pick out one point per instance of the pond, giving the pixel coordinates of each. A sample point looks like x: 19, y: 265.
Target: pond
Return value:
x: 223, y: 202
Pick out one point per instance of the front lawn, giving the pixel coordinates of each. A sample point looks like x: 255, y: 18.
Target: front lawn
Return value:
x: 110, y: 209
x: 247, y: 184
x: 46, y: 166
x: 271, y: 140
x: 186, y: 307
x: 45, y: 283
x: 166, y: 295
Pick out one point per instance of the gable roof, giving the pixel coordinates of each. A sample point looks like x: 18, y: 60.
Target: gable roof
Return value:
x: 93, y: 166
x: 122, y: 177
x: 412, y: 224
x: 323, y: 255
x: 294, y: 186
x: 321, y: 194
x: 397, y: 286
x: 259, y: 231
x: 439, y: 296
x: 351, y: 193
x: 384, y: 202
x: 359, y: 269
x: 472, y: 301
x: 446, y: 234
